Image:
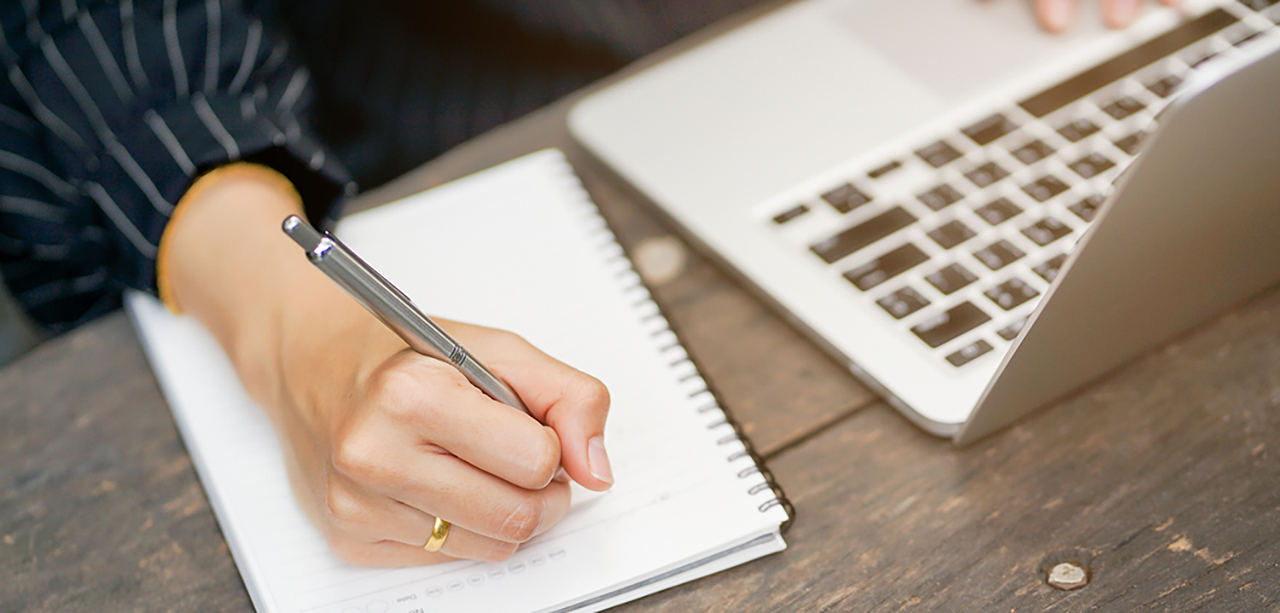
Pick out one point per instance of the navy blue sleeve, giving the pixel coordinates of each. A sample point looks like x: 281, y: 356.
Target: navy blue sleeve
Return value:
x: 108, y: 111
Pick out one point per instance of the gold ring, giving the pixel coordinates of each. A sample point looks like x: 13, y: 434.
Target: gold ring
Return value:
x: 439, y: 533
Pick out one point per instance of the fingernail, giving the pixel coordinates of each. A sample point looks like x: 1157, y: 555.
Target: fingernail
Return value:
x: 561, y: 476
x: 1057, y: 14
x: 598, y: 460
x: 1123, y: 12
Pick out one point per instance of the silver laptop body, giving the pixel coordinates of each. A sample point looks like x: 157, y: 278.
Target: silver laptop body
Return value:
x: 949, y: 202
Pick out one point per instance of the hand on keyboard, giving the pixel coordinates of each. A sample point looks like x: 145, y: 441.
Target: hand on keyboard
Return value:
x: 1057, y: 15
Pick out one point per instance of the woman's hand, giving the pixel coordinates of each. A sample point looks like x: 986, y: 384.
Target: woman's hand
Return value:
x: 381, y: 440
x: 1058, y: 15
x: 384, y: 440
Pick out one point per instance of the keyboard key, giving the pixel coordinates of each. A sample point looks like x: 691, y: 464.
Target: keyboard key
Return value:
x: 950, y: 234
x: 884, y: 170
x: 1046, y: 231
x: 1087, y: 208
x: 1011, y: 331
x: 903, y: 302
x: 846, y: 198
x: 1186, y: 33
x: 999, y: 254
x: 990, y: 129
x: 1165, y: 86
x: 969, y: 353
x: 1091, y: 165
x: 951, y: 279
x: 943, y: 327
x: 998, y: 211
x: 863, y: 234
x: 1123, y: 107
x: 1198, y: 58
x: 1078, y: 130
x: 1011, y: 294
x: 1244, y: 37
x: 938, y: 154
x: 986, y: 174
x: 790, y: 214
x: 1045, y: 187
x: 1259, y: 5
x: 1130, y: 143
x: 940, y: 197
x: 1049, y: 270
x: 1032, y: 152
x: 886, y: 267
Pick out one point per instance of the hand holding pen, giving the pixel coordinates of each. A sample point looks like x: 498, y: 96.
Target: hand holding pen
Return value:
x: 381, y: 440
x: 536, y: 453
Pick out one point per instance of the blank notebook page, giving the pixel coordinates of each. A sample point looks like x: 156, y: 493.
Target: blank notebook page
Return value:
x: 519, y: 247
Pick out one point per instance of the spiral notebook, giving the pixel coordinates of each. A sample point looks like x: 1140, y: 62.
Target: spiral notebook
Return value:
x: 691, y: 498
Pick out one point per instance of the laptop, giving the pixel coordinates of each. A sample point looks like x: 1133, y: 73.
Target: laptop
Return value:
x: 975, y: 217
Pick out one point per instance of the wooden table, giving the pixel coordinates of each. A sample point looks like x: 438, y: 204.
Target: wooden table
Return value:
x: 1161, y: 480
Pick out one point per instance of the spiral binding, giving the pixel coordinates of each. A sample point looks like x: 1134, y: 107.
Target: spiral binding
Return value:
x: 626, y: 271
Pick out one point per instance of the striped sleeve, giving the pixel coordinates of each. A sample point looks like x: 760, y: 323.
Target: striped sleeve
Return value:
x: 108, y: 111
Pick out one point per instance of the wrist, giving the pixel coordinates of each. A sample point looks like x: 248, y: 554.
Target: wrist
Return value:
x: 204, y: 192
x: 225, y: 261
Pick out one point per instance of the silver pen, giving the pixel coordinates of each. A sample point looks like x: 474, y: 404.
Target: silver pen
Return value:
x: 393, y: 308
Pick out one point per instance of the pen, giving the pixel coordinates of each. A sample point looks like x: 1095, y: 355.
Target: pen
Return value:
x: 393, y: 308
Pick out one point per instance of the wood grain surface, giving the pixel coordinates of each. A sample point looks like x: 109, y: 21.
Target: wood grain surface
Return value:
x: 1161, y: 479
x: 101, y: 509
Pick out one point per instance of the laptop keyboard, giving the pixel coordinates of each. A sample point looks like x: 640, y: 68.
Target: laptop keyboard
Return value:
x: 958, y: 240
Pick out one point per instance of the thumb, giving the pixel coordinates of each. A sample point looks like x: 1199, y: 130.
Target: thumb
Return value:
x: 571, y: 402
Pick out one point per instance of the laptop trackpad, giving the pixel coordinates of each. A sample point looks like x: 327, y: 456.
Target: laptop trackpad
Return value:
x: 962, y: 48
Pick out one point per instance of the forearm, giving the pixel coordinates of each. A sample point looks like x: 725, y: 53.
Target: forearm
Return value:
x: 231, y: 267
